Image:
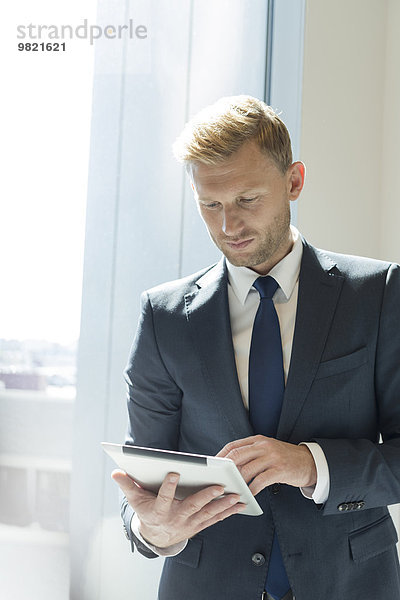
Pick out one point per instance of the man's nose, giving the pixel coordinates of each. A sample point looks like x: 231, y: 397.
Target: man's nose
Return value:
x: 231, y: 224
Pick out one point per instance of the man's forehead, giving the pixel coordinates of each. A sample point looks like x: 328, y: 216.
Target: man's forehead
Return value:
x: 239, y: 176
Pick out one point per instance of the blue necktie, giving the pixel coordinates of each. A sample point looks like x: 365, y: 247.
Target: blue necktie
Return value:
x: 266, y: 388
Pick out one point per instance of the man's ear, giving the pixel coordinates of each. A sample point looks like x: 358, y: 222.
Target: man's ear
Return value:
x: 296, y: 178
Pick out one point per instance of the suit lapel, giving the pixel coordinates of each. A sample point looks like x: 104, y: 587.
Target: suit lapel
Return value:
x: 207, y: 312
x: 319, y: 289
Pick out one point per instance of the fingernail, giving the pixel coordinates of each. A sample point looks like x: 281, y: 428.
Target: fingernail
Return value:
x: 218, y: 492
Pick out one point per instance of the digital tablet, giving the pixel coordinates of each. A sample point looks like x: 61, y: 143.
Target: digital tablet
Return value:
x: 148, y: 467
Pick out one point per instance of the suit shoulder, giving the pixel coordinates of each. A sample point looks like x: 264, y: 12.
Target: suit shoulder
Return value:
x: 169, y: 294
x: 180, y: 284
x: 353, y: 266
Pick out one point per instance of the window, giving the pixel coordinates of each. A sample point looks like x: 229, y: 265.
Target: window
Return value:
x: 143, y: 228
x: 45, y: 133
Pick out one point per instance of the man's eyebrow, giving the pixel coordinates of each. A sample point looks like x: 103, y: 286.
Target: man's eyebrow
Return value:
x: 205, y: 199
x: 246, y: 192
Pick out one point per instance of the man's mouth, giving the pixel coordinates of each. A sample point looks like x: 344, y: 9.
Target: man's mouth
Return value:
x: 240, y: 244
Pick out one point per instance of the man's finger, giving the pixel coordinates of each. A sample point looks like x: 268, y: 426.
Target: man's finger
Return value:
x: 263, y: 480
x: 253, y: 466
x: 131, y: 489
x: 220, y: 516
x: 194, y: 503
x: 215, y: 508
x: 125, y: 482
x: 250, y: 454
x: 166, y: 493
x: 238, y: 444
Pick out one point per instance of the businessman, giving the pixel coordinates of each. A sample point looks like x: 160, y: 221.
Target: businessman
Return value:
x: 284, y: 358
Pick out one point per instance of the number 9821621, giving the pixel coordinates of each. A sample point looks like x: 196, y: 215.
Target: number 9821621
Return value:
x: 41, y: 47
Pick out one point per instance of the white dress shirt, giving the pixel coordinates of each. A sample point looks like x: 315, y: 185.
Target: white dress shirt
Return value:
x: 243, y: 304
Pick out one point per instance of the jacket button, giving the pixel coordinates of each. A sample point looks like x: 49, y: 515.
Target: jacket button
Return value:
x: 276, y: 488
x: 351, y: 506
x: 258, y: 559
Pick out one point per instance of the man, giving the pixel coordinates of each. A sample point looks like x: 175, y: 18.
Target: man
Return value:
x: 320, y: 473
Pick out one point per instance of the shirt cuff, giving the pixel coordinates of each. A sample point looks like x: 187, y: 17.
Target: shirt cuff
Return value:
x: 169, y: 551
x: 320, y: 491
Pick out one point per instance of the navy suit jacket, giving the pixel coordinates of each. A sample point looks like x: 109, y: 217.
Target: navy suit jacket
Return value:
x: 342, y: 391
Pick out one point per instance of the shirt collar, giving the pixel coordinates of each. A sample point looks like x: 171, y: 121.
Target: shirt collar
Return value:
x: 286, y: 272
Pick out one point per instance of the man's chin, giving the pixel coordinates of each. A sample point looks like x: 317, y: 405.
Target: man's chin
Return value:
x: 237, y: 262
x: 240, y: 261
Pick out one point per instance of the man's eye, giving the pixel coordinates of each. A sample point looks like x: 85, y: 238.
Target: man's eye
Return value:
x: 210, y: 205
x: 245, y: 200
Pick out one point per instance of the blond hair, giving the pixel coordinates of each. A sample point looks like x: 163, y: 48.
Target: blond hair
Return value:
x: 220, y: 129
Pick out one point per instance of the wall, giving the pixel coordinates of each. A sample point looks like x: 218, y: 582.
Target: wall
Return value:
x: 350, y: 136
x: 341, y: 139
x: 389, y: 198
x: 351, y: 126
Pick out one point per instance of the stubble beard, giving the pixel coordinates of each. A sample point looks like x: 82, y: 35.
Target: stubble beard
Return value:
x: 270, y: 245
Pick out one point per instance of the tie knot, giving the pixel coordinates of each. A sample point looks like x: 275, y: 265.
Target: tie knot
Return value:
x: 266, y: 286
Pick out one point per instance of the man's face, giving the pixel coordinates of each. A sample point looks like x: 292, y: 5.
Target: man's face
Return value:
x: 245, y: 204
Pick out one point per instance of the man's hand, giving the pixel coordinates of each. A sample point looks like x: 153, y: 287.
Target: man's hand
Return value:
x: 166, y: 521
x: 264, y: 461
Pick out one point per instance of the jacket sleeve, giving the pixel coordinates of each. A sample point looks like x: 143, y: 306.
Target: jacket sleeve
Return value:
x: 154, y: 399
x: 365, y: 473
x: 154, y: 402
